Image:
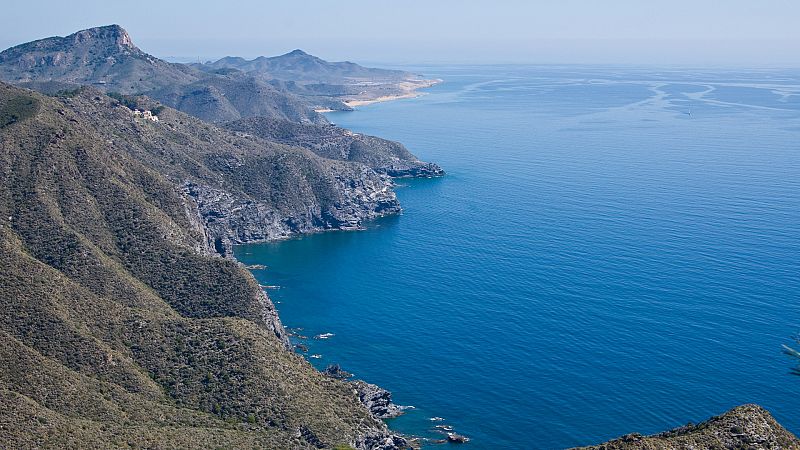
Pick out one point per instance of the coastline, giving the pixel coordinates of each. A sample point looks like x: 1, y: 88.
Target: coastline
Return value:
x: 408, y: 88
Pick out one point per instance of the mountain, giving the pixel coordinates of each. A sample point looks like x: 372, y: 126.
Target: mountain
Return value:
x: 384, y: 156
x: 122, y: 325
x: 747, y: 426
x: 299, y: 66
x: 105, y: 57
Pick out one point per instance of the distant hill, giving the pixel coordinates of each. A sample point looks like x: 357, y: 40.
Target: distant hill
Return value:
x: 299, y: 66
x: 324, y: 84
x: 121, y: 325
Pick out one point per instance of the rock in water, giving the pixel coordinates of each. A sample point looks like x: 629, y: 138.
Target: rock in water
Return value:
x: 336, y: 371
x: 457, y: 438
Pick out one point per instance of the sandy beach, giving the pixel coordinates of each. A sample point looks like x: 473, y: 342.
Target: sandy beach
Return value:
x: 409, y: 89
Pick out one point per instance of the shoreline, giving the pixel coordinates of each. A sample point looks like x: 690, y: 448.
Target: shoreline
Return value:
x: 409, y: 89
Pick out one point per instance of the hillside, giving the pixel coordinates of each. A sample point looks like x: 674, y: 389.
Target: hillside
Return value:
x: 384, y: 156
x: 744, y: 427
x: 222, y: 97
x: 121, y: 326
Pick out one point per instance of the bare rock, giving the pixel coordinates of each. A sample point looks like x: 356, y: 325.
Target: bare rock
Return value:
x: 377, y: 400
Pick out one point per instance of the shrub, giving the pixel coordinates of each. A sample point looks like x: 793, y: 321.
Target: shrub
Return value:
x: 126, y: 100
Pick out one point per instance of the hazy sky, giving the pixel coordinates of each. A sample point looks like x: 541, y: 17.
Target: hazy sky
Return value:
x: 697, y: 32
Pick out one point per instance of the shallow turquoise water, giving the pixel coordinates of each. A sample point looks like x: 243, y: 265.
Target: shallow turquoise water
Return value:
x: 613, y: 250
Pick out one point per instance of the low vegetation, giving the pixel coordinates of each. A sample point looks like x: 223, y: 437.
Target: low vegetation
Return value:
x: 16, y: 108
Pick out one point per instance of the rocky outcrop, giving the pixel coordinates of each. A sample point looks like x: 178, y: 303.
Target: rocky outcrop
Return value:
x: 411, y: 169
x: 744, y: 427
x: 336, y: 371
x: 382, y: 441
x: 377, y: 400
x: 231, y: 219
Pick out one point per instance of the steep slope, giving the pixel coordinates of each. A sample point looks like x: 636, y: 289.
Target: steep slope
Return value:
x: 103, y: 56
x: 120, y: 326
x: 232, y: 95
x: 745, y: 427
x: 384, y: 156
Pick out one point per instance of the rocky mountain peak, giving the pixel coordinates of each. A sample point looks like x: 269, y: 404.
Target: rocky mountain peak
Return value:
x: 109, y: 35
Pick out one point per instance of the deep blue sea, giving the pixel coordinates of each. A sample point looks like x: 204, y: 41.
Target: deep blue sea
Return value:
x: 613, y: 250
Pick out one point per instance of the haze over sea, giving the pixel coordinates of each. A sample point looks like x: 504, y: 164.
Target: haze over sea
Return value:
x: 613, y: 250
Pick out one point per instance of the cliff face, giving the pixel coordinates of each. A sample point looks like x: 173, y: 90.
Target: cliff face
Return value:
x: 745, y: 427
x: 121, y: 327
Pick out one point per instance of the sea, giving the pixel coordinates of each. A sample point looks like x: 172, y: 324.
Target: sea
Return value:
x: 612, y: 250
